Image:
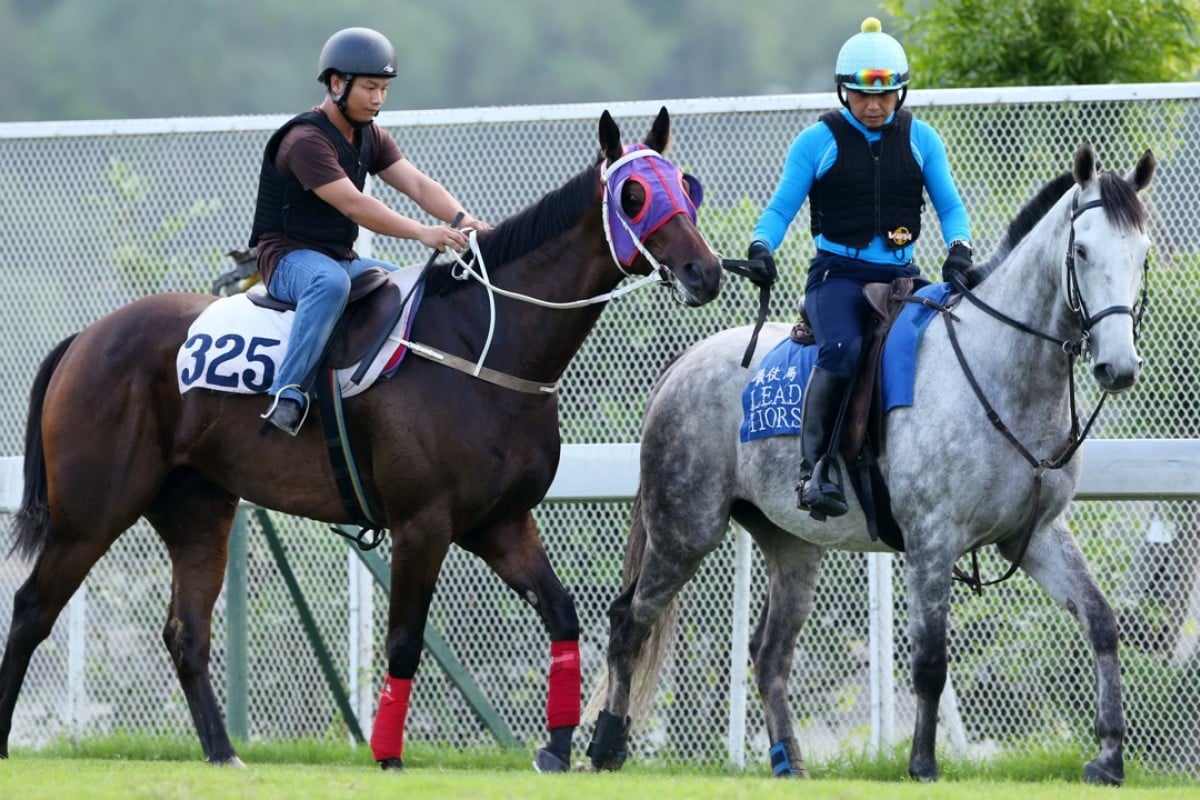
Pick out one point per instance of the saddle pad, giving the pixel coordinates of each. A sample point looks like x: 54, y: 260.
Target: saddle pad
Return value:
x: 900, y: 349
x: 772, y: 400
x: 235, y: 346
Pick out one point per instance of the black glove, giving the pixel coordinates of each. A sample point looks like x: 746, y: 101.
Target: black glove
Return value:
x: 759, y: 252
x: 957, y: 265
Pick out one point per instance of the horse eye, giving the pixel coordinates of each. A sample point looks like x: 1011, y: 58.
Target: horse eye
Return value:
x: 1080, y: 253
x: 633, y: 198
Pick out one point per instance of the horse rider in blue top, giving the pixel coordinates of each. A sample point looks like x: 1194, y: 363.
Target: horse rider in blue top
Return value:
x: 863, y: 169
x: 311, y: 203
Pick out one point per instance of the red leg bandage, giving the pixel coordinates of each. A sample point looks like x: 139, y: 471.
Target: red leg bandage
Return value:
x: 563, y: 695
x: 387, y: 735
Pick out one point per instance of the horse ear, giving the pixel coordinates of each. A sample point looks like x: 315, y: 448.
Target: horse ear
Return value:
x: 659, y: 137
x: 1085, y: 164
x: 610, y: 138
x: 1143, y: 172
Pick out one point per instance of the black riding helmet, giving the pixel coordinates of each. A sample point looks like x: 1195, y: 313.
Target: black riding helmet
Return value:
x: 352, y: 52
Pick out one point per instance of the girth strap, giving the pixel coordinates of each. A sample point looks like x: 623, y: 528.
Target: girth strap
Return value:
x: 345, y: 470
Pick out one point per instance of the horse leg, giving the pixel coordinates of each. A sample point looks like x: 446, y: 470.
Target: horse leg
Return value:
x: 928, y: 591
x: 793, y: 570
x: 418, y: 549
x: 515, y: 552
x: 659, y: 560
x: 193, y: 518
x: 1056, y: 563
x: 57, y: 574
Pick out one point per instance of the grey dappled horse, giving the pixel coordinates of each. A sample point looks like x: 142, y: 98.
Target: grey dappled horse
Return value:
x: 1065, y: 278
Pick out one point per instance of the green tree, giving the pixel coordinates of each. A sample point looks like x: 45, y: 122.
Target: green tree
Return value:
x: 971, y: 43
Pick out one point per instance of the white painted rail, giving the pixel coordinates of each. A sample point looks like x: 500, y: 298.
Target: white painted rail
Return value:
x: 1113, y: 469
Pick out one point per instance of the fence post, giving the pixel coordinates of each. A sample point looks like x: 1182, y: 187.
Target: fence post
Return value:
x: 237, y: 668
x: 739, y: 647
x: 882, y: 656
x: 76, y: 659
x: 361, y: 646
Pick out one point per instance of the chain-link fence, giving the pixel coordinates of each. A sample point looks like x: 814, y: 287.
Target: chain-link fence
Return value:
x: 97, y: 214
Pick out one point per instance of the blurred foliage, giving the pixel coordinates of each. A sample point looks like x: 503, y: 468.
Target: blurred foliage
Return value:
x: 972, y: 43
x: 79, y: 59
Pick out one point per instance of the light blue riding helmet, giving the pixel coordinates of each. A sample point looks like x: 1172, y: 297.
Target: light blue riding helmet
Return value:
x: 871, y: 61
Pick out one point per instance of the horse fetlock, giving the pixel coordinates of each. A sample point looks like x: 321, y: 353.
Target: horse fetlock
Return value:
x: 786, y: 761
x: 609, y: 748
x: 548, y: 761
x: 1107, y: 770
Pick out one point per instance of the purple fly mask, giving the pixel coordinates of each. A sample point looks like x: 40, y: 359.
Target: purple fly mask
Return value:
x: 669, y: 191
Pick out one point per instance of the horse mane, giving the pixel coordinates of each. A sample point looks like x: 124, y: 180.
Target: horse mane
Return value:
x: 555, y: 213
x: 1029, y: 216
x: 1118, y: 198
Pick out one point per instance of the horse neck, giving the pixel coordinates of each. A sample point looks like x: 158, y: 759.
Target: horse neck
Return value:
x: 1028, y: 287
x: 537, y: 342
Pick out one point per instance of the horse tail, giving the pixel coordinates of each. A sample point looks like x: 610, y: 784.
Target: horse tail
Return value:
x: 647, y: 661
x: 31, y: 524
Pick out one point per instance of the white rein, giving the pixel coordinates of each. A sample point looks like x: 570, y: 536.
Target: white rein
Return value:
x: 465, y: 270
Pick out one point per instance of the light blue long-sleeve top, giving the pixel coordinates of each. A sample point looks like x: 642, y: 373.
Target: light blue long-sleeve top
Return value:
x: 814, y: 151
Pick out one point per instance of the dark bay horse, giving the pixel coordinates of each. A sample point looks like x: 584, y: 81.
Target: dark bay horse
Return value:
x: 445, y: 457
x: 1063, y: 283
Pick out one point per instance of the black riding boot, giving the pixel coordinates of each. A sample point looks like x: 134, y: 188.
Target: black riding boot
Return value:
x: 820, y: 491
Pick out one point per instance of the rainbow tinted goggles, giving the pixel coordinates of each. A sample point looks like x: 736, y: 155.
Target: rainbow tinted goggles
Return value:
x: 874, y: 80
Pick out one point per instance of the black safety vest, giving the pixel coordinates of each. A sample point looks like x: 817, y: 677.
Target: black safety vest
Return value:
x: 283, y: 205
x: 864, y: 194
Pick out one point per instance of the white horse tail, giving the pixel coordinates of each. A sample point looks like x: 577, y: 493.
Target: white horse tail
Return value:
x: 646, y: 661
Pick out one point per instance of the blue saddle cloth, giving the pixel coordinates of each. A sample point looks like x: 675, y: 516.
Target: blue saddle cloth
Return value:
x: 773, y: 398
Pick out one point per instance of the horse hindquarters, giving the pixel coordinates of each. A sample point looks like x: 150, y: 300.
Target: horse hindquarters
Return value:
x: 61, y: 561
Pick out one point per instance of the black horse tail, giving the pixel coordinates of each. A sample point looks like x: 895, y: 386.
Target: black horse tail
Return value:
x: 648, y: 661
x: 31, y: 524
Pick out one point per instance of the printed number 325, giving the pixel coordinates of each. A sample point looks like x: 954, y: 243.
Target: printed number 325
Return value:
x: 211, y: 361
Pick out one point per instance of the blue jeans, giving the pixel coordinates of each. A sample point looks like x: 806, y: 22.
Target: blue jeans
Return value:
x: 318, y: 286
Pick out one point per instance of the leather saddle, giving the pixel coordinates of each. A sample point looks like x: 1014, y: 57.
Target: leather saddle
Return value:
x: 372, y: 309
x: 861, y: 439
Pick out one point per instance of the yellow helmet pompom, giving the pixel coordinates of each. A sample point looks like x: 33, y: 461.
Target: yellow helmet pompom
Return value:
x: 872, y: 25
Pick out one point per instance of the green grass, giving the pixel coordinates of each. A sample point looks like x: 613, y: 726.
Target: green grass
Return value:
x: 134, y: 767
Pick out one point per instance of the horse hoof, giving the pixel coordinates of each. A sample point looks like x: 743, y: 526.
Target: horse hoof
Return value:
x: 1097, y: 775
x: 545, y: 761
x: 924, y: 772
x: 233, y: 761
x: 391, y: 764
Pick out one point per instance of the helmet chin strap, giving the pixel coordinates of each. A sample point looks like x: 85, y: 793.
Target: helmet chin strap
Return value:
x: 340, y: 102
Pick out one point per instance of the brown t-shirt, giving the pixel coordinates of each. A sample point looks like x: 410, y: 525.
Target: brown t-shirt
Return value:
x: 307, y: 154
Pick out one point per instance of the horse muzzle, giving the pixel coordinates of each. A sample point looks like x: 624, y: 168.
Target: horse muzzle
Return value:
x: 1117, y: 376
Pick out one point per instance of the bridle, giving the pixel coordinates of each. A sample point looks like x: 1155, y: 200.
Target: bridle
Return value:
x: 1075, y: 298
x: 476, y: 269
x: 1074, y: 350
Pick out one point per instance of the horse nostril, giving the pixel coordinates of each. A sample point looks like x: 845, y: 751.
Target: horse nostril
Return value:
x: 1115, y: 380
